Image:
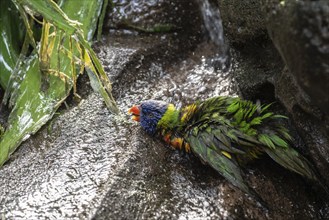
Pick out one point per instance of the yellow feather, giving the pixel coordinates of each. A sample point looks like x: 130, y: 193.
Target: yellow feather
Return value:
x: 226, y: 154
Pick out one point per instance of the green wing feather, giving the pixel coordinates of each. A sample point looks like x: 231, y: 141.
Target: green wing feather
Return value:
x: 214, y: 157
x: 292, y: 160
x: 228, y: 168
x: 244, y: 129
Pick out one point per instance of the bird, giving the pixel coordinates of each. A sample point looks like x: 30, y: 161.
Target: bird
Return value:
x: 225, y: 133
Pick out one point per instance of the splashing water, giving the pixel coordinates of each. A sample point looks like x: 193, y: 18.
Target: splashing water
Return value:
x: 213, y: 25
x: 213, y: 22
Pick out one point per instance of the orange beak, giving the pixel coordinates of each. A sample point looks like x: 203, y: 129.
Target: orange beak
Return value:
x: 135, y: 112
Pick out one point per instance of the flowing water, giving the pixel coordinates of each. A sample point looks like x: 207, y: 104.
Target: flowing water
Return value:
x: 213, y: 23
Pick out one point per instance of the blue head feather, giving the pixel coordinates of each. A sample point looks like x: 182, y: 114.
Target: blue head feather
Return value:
x: 151, y: 111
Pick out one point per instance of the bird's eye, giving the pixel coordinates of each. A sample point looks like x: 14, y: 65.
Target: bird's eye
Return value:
x: 150, y: 115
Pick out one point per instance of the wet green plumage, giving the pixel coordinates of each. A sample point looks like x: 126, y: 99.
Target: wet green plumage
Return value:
x: 242, y: 129
x: 226, y: 133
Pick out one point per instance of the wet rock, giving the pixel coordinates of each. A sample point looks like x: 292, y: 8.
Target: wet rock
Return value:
x: 255, y: 66
x: 153, y: 16
x: 139, y: 18
x: 300, y: 32
x: 242, y: 20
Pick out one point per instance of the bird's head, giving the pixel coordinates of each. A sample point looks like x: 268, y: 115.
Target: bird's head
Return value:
x: 149, y: 113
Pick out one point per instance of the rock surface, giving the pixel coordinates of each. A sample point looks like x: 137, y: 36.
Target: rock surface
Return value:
x: 300, y: 32
x: 242, y: 20
x: 89, y: 164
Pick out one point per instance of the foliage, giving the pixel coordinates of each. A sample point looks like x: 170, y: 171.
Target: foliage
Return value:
x: 37, y: 83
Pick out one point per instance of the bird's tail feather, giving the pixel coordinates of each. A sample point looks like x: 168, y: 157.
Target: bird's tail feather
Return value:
x: 236, y: 179
x: 292, y: 160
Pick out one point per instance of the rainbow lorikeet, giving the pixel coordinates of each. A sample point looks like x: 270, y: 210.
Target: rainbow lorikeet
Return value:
x: 225, y: 133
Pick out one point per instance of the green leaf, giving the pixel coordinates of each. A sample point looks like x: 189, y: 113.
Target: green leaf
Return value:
x: 12, y: 34
x: 101, y: 19
x: 47, y: 75
x: 52, y: 13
